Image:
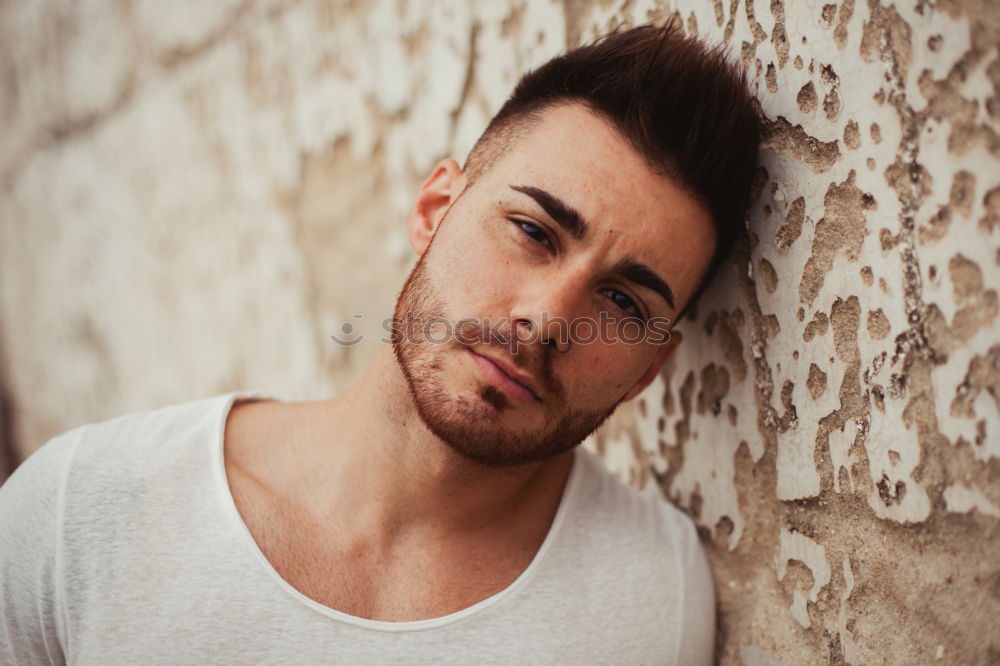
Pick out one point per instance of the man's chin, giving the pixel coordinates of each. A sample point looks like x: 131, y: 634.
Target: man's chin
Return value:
x: 496, y: 454
x: 475, y: 429
x: 489, y: 407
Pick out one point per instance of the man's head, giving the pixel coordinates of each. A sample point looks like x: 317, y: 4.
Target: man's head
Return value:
x: 678, y: 102
x: 604, y: 191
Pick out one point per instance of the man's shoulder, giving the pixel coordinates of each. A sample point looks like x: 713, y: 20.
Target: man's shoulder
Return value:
x: 640, y: 560
x: 153, y: 424
x: 626, y: 513
x: 113, y: 452
x: 638, y: 534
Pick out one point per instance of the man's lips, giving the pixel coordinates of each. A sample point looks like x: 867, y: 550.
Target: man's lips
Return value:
x: 514, y: 383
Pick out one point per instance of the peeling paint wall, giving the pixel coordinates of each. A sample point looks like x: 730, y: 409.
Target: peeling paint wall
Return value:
x: 196, y: 195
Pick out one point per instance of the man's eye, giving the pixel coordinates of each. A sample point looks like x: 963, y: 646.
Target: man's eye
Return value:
x: 533, y: 231
x: 624, y: 302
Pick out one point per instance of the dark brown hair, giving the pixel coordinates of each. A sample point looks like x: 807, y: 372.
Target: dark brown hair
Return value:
x: 681, y: 104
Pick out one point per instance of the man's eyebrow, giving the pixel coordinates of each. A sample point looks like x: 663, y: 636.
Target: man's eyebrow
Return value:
x: 568, y: 218
x: 565, y: 215
x: 641, y: 274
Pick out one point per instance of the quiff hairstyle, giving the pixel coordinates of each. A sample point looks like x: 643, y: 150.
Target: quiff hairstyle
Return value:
x: 683, y: 105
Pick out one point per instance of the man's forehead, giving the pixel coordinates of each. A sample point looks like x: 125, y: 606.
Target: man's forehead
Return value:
x: 577, y: 154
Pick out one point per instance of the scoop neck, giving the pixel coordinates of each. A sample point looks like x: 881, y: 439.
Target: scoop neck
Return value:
x: 230, y: 508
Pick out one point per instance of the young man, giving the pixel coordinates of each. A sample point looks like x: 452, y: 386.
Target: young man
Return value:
x: 440, y: 511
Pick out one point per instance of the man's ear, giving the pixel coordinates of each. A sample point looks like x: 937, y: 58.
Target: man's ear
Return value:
x: 437, y: 193
x: 662, y: 354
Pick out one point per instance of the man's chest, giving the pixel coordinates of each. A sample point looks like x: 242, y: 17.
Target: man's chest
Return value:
x: 414, y: 580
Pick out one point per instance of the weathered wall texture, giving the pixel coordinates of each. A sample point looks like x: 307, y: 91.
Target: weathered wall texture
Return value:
x: 196, y: 194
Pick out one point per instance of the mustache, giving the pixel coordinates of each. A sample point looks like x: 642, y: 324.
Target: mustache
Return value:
x: 501, y: 340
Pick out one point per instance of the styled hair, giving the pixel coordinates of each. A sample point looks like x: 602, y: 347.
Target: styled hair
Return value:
x: 683, y: 105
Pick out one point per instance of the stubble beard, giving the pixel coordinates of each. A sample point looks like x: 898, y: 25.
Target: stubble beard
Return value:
x: 472, y: 426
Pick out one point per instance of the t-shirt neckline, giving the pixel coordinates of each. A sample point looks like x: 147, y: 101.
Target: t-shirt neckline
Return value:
x: 229, y: 505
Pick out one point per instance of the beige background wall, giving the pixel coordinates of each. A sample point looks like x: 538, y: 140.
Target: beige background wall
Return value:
x: 195, y: 195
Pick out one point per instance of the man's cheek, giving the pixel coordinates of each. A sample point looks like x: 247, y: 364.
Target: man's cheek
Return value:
x: 611, y: 370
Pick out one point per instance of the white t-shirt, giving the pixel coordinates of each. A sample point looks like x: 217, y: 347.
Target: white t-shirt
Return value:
x: 120, y: 543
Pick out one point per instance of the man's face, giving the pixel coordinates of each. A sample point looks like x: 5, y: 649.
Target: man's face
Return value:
x: 569, y: 225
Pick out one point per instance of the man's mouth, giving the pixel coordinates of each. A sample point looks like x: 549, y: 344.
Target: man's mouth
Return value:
x: 517, y: 385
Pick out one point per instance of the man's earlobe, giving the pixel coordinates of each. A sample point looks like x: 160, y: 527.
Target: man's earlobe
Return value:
x: 665, y: 350
x: 433, y: 199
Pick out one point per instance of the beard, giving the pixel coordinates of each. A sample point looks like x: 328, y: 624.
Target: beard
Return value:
x: 472, y: 425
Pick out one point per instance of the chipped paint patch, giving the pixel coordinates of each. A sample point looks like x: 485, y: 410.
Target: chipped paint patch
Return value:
x: 962, y: 499
x: 798, y: 547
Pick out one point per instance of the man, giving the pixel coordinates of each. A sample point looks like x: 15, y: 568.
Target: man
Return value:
x: 440, y: 511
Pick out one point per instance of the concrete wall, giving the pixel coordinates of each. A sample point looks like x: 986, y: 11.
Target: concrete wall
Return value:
x: 195, y: 195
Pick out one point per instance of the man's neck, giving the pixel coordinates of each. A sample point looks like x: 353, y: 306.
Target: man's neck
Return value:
x: 367, y: 455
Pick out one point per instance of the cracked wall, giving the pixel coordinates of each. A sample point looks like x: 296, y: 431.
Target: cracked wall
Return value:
x: 196, y: 195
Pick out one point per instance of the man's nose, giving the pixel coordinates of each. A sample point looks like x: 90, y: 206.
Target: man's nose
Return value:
x: 544, y: 314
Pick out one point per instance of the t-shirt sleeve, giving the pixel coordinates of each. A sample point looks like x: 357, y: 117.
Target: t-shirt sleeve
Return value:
x: 697, y: 639
x: 31, y: 504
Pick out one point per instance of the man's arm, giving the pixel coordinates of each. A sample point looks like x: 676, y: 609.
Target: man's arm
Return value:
x: 31, y: 504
